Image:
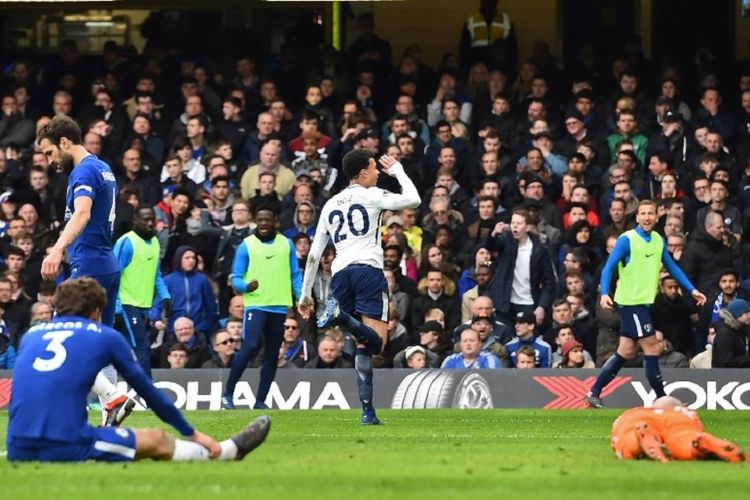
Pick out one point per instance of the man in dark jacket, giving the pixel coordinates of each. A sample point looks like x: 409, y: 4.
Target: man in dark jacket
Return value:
x: 329, y: 355
x: 197, y: 349
x: 706, y: 256
x: 524, y: 280
x: 731, y: 343
x: 435, y: 297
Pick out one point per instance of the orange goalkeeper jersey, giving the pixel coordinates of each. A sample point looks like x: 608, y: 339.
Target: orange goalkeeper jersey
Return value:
x: 676, y: 427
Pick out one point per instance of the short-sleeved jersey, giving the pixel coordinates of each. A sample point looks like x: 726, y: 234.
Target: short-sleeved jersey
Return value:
x: 352, y: 218
x: 91, y: 253
x: 56, y: 366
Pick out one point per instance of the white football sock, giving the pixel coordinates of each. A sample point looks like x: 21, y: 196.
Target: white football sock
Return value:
x: 187, y: 450
x: 103, y: 386
x: 228, y: 450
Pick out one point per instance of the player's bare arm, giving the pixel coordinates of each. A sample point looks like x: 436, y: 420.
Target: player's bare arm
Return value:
x: 74, y: 227
x: 305, y: 303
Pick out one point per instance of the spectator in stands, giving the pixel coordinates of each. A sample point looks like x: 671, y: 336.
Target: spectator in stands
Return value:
x: 177, y: 356
x: 524, y: 280
x: 194, y: 345
x: 706, y: 255
x: 434, y: 295
x: 222, y: 345
x: 269, y: 162
x: 573, y: 356
x: 471, y: 355
x: 191, y: 293
x: 525, y: 358
x: 730, y: 345
x: 415, y: 357
x: 524, y: 325
x: 40, y: 313
x: 295, y: 349
x: 329, y: 355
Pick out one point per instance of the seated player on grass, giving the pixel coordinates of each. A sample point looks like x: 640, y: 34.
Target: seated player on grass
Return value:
x: 57, y: 364
x: 668, y: 431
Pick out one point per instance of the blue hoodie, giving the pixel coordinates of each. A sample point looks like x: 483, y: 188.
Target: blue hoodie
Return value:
x: 192, y: 296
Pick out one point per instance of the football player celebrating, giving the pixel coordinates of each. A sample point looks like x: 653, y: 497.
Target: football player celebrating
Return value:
x: 360, y: 292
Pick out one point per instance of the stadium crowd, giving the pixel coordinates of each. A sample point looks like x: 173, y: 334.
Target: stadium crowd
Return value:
x: 528, y: 174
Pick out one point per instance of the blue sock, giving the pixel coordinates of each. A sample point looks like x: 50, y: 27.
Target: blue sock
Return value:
x: 609, y: 371
x: 363, y: 367
x: 653, y: 374
x: 363, y: 333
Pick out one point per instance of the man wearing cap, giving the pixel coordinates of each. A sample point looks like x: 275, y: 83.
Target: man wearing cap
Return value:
x: 576, y: 131
x: 415, y: 357
x: 673, y: 140
x: 731, y: 346
x: 525, y: 325
x: 430, y: 339
x: 471, y: 356
x: 532, y: 187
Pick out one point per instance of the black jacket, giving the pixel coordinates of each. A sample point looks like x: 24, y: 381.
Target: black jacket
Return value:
x: 730, y: 347
x: 704, y: 259
x: 542, y: 274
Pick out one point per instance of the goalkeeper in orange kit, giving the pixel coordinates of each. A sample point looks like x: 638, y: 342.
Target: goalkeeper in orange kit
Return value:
x: 668, y: 431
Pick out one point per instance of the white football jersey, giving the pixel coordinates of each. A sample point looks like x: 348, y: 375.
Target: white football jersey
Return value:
x: 352, y: 218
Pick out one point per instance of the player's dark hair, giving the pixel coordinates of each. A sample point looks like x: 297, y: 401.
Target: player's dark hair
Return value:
x: 79, y: 297
x: 267, y: 207
x: 354, y: 162
x: 59, y: 127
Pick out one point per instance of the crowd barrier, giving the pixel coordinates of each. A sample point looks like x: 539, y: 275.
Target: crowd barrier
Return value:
x: 720, y: 389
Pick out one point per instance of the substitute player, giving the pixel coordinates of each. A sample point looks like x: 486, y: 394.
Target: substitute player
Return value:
x: 353, y: 219
x: 89, y: 215
x: 266, y: 272
x: 56, y: 365
x: 668, y: 431
x: 638, y: 255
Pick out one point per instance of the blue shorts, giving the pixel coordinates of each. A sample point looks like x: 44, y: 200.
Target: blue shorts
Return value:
x: 361, y: 289
x: 109, y: 444
x: 111, y: 284
x: 635, y: 322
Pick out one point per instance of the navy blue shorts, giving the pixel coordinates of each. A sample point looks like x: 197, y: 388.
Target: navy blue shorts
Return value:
x: 111, y: 284
x: 635, y: 322
x: 110, y: 444
x: 361, y: 289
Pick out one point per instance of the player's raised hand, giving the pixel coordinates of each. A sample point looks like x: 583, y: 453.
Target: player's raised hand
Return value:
x: 499, y: 228
x: 606, y: 302
x: 305, y: 307
x: 387, y: 162
x: 700, y: 299
x: 51, y: 264
x: 214, y: 448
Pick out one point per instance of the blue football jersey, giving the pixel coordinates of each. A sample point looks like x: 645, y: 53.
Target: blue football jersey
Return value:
x: 56, y: 366
x: 91, y: 253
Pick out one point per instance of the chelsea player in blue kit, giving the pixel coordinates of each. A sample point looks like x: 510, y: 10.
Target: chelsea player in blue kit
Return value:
x: 57, y: 362
x: 89, y: 216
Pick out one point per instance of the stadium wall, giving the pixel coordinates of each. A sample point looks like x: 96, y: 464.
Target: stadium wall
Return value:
x: 426, y: 389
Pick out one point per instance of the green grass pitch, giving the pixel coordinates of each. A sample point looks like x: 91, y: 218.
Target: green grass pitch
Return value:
x: 416, y: 454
